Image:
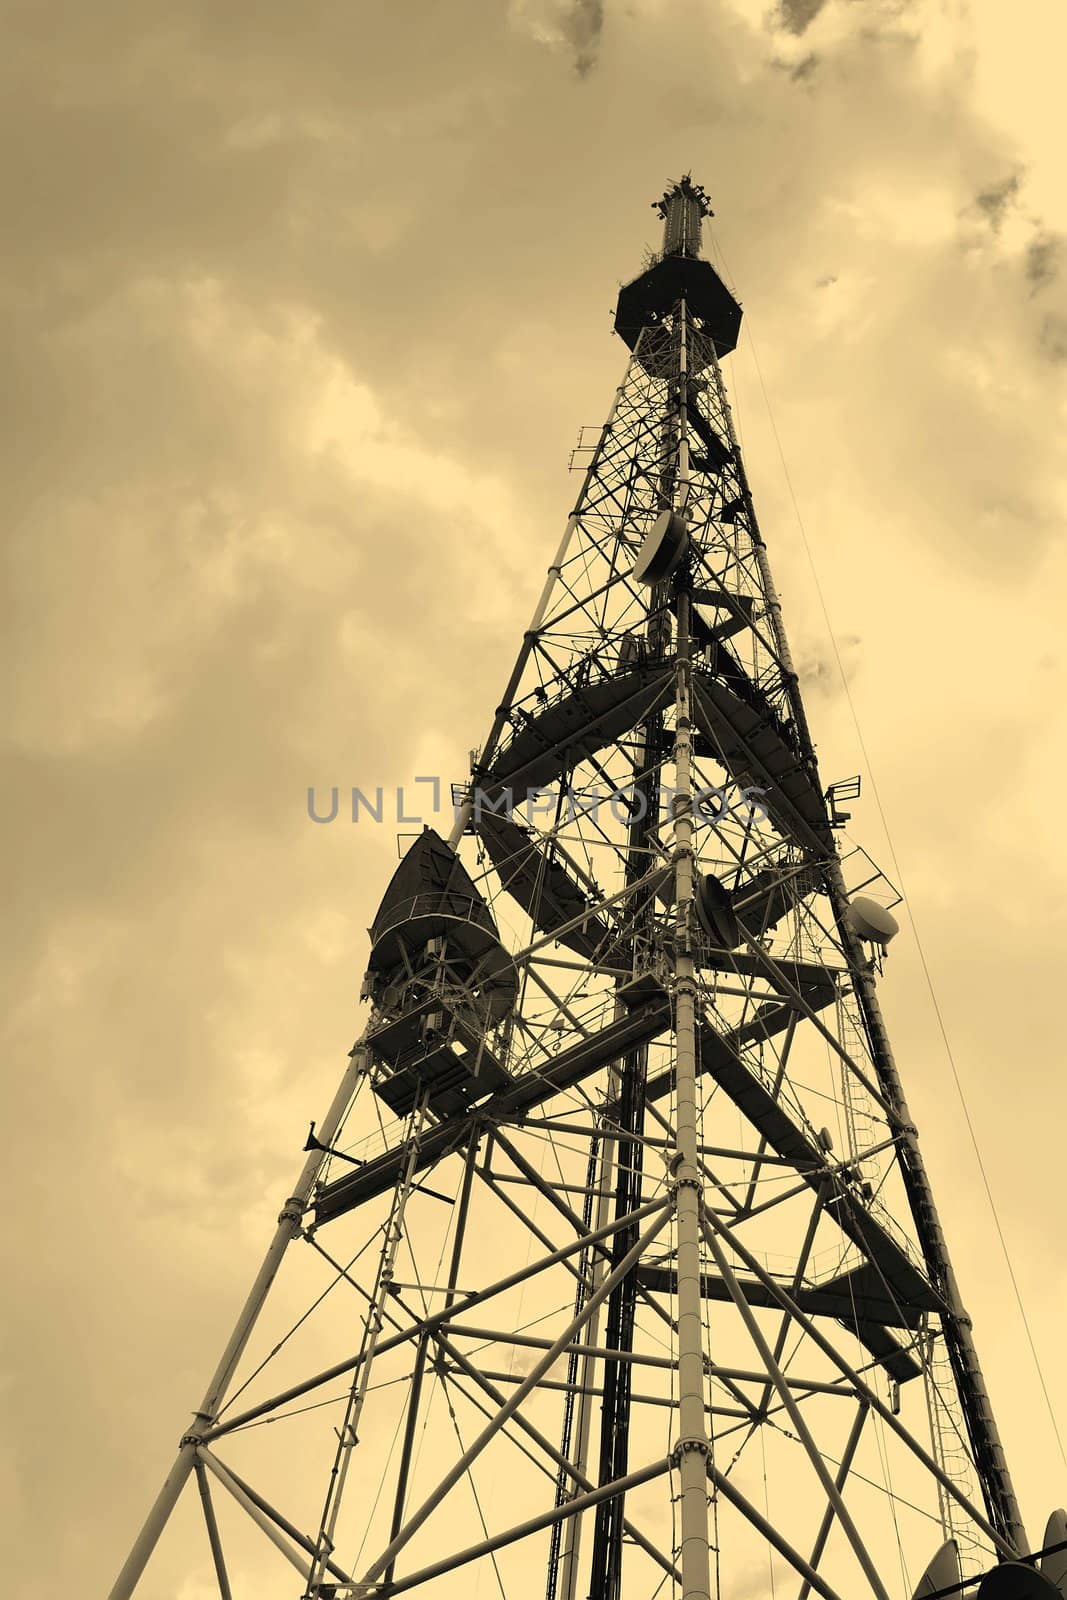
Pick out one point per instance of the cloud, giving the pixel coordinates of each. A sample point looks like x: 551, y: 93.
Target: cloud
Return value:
x: 586, y: 27
x: 574, y: 26
x: 995, y: 201
x: 796, y: 16
x: 820, y: 671
x: 1053, y: 338
x: 1042, y: 261
x: 806, y: 68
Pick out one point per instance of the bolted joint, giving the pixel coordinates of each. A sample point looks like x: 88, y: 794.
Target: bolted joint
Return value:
x: 686, y: 987
x: 685, y: 1446
x: 292, y: 1211
x: 685, y: 1183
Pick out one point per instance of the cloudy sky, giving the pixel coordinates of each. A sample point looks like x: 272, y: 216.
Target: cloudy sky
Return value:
x: 302, y: 308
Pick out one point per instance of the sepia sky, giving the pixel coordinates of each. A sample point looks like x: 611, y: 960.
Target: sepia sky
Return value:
x: 302, y: 307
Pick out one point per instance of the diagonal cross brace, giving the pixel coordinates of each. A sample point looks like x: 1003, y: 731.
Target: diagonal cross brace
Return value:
x: 456, y: 1472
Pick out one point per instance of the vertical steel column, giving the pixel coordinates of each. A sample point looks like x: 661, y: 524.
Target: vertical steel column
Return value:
x: 289, y: 1225
x: 692, y: 1451
x: 627, y: 1086
x: 584, y: 1370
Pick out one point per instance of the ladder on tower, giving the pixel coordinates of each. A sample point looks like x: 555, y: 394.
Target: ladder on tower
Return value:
x: 860, y: 1124
x: 949, y: 1447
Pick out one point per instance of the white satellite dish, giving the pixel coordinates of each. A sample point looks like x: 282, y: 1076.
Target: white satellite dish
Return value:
x: 871, y: 922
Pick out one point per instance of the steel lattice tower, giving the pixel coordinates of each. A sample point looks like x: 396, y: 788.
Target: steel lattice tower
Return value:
x: 624, y: 1271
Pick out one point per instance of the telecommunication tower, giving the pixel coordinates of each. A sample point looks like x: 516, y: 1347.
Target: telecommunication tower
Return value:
x: 623, y: 1272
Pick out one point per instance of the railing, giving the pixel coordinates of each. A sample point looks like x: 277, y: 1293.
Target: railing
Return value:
x: 440, y: 903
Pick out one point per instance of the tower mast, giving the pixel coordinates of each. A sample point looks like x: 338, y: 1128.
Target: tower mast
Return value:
x: 616, y: 1002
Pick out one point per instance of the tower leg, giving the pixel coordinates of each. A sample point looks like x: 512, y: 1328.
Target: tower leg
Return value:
x: 692, y: 1451
x: 289, y: 1225
x: 997, y: 1487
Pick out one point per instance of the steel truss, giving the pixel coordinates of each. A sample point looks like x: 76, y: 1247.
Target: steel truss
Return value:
x: 644, y: 1314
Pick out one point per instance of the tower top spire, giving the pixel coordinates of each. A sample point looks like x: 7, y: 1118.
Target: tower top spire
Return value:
x: 679, y: 272
x: 683, y: 207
